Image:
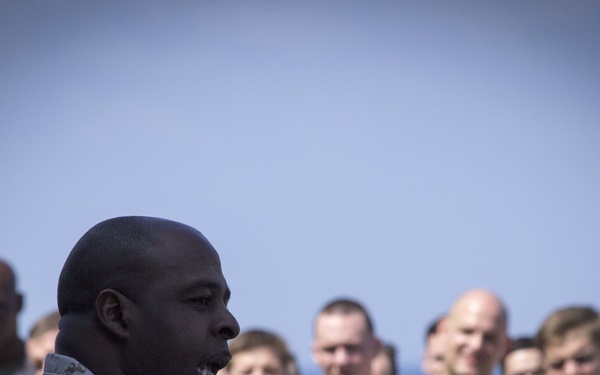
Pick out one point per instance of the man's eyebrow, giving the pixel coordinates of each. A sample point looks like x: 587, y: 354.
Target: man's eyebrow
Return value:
x: 210, y: 285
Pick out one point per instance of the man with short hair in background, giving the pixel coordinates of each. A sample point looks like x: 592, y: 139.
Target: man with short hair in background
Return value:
x: 344, y: 339
x: 570, y: 341
x: 433, y: 353
x: 523, y: 358
x: 41, y: 340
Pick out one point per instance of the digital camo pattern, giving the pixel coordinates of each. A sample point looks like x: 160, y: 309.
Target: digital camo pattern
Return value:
x: 57, y: 364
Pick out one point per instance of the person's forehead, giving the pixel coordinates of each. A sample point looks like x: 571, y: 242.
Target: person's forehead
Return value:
x: 523, y: 357
x: 341, y: 327
x: 477, y: 315
x: 179, y: 241
x: 186, y: 260
x: 573, y: 340
x: 260, y: 356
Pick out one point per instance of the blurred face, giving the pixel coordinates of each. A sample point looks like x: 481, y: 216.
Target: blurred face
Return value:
x: 38, y: 347
x: 381, y: 364
x: 523, y: 362
x: 576, y: 354
x: 180, y: 323
x: 475, y: 338
x: 10, y: 305
x: 433, y: 355
x: 259, y: 361
x: 343, y: 345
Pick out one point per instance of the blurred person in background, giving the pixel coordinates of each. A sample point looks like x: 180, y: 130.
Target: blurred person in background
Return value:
x: 523, y: 358
x: 570, y: 341
x: 475, y: 334
x: 13, y: 360
x: 433, y: 353
x: 344, y: 339
x: 384, y: 362
x: 258, y: 352
x: 41, y: 340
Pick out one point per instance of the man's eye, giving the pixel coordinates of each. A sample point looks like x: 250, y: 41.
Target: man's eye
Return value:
x: 557, y: 365
x: 202, y: 301
x: 584, y: 359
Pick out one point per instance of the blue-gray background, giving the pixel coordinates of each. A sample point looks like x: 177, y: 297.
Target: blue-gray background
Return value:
x: 396, y: 152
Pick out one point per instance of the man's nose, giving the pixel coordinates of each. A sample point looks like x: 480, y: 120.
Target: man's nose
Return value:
x: 341, y: 356
x: 476, y: 341
x: 570, y: 367
x: 226, y: 325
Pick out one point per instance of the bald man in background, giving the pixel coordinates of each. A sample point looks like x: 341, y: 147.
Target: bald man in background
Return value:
x: 475, y: 334
x: 12, y: 348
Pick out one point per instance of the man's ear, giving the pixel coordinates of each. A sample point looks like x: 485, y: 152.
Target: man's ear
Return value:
x: 20, y: 300
x: 112, y: 309
x: 377, y: 344
x: 314, y: 351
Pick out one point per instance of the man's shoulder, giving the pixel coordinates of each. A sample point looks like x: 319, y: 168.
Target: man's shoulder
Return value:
x: 57, y: 364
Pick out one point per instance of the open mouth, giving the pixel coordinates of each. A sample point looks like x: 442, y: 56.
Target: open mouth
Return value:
x: 213, y: 367
x: 205, y: 370
x: 213, y: 364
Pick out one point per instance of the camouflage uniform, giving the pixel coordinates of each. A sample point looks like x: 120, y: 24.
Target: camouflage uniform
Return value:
x: 57, y: 364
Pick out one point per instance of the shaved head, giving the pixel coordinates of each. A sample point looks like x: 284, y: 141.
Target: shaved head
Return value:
x: 142, y: 296
x: 480, y: 301
x: 475, y: 333
x: 115, y: 254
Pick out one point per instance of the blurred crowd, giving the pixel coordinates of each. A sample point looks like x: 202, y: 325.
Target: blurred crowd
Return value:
x: 118, y: 318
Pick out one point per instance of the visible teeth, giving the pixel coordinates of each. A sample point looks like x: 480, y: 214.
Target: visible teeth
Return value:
x: 203, y: 371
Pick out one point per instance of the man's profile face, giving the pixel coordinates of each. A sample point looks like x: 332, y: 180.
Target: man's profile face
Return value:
x: 433, y: 355
x: 343, y: 344
x: 180, y: 323
x: 38, y: 347
x: 575, y: 354
x: 475, y: 339
x: 523, y: 362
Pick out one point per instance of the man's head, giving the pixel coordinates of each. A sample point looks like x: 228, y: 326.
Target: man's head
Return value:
x: 475, y: 333
x: 570, y: 341
x: 142, y: 295
x: 11, y: 303
x: 435, y: 348
x: 259, y: 352
x: 344, y: 342
x: 41, y: 340
x: 523, y: 358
